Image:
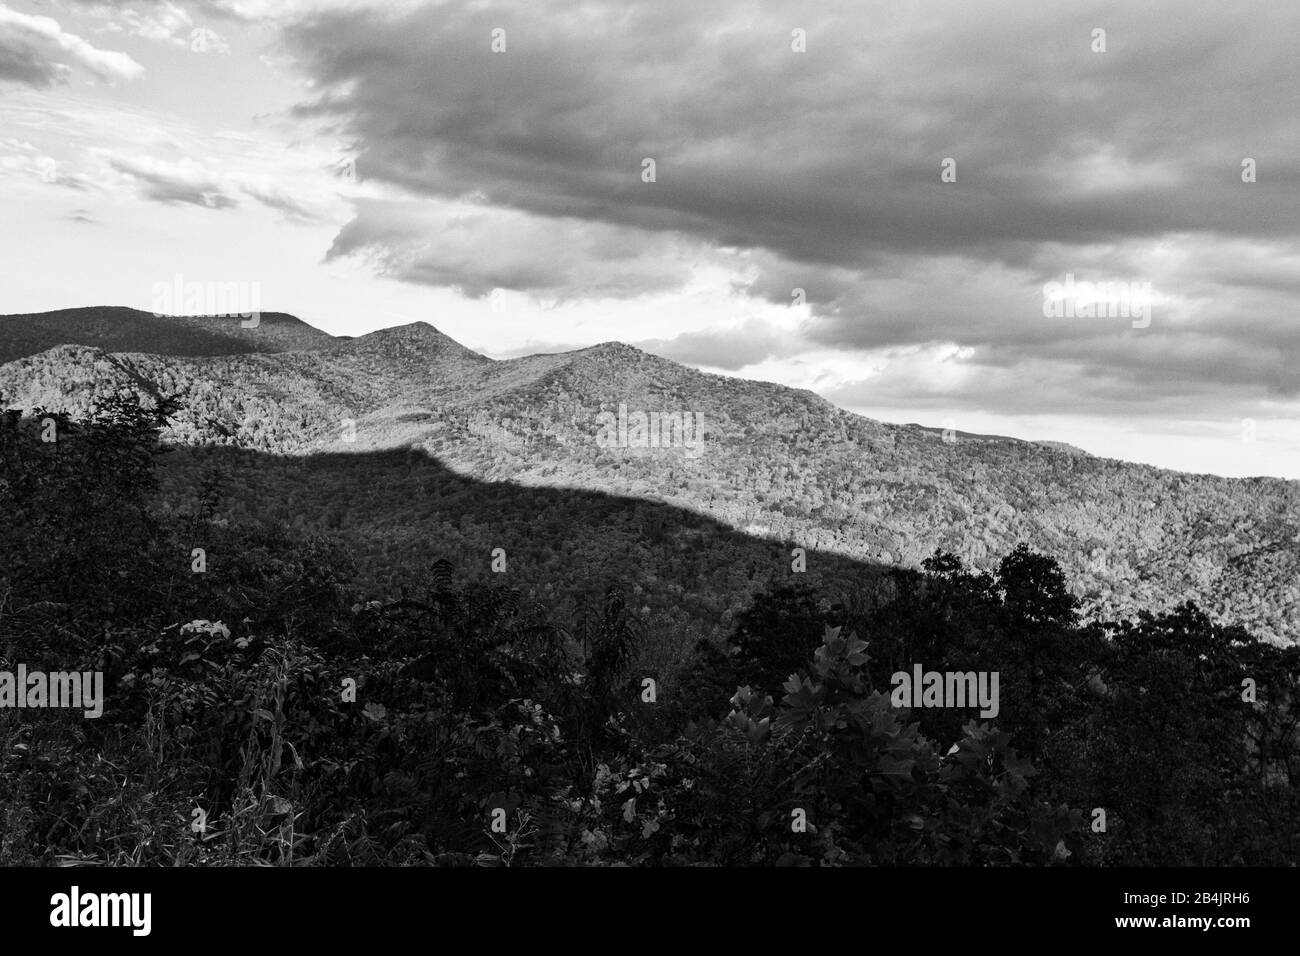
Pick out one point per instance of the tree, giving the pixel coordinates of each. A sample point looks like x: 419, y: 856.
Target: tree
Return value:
x: 1034, y: 587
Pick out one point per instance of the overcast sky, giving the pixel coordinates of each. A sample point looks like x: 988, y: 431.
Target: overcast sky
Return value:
x: 502, y: 195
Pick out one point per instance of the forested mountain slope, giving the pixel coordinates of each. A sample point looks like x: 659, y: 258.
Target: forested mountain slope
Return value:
x: 775, y: 462
x: 116, y: 329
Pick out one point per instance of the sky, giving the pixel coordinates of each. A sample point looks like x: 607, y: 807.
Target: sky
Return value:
x: 884, y: 202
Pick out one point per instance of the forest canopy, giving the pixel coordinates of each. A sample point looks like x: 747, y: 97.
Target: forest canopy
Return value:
x: 311, y: 717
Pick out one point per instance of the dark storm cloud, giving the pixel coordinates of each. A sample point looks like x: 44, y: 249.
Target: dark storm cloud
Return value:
x: 830, y: 155
x: 823, y: 168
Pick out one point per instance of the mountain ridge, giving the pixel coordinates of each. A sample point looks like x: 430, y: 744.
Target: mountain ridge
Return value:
x: 1132, y: 537
x: 23, y: 335
x: 418, y: 335
x: 122, y: 329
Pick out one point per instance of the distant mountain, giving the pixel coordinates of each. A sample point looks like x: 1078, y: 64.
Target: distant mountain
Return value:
x: 1063, y: 446
x: 779, y: 463
x: 952, y: 434
x: 116, y: 329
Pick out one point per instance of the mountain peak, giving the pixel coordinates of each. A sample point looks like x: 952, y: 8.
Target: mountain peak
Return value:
x: 419, y: 326
x: 618, y: 350
x: 414, y: 340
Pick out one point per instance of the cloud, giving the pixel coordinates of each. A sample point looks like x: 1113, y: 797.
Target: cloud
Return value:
x: 163, y: 22
x: 235, y: 11
x: 831, y: 156
x: 20, y: 161
x: 278, y: 199
x: 186, y: 182
x: 730, y: 348
x: 820, y: 171
x: 478, y: 249
x: 121, y: 153
x: 36, y: 51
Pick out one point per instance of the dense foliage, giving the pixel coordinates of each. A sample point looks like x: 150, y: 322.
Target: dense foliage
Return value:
x: 229, y: 732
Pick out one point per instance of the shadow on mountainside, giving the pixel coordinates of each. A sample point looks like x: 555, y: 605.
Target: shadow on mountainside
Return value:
x: 399, y: 510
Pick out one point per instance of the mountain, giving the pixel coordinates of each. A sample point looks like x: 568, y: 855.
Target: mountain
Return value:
x: 953, y: 434
x: 115, y: 329
x: 780, y: 464
x: 1063, y: 446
